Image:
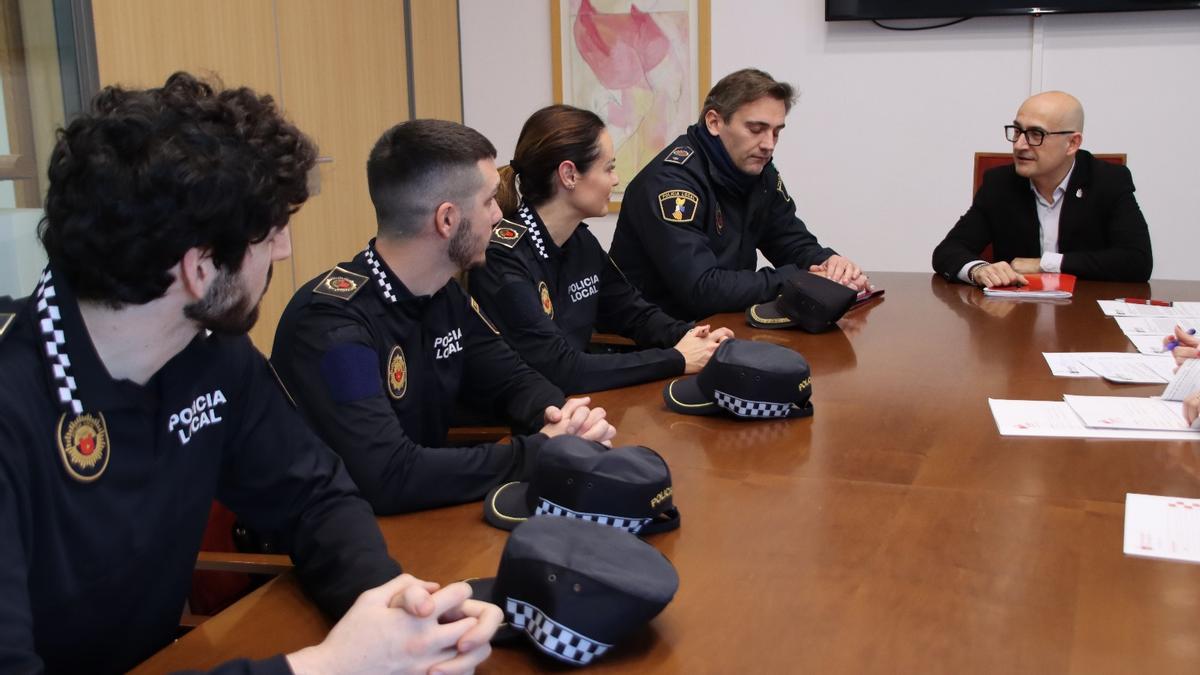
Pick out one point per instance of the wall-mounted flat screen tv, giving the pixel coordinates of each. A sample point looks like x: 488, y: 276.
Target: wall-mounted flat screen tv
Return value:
x: 850, y: 10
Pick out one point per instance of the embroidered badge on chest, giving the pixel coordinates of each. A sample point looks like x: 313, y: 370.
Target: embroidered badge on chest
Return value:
x: 678, y: 205
x: 547, y: 305
x: 397, y: 373
x: 83, y: 445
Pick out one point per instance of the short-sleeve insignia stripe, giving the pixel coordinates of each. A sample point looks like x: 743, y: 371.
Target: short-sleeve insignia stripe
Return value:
x: 678, y: 206
x: 552, y: 637
x: 340, y: 283
x: 782, y: 190
x: 475, y: 306
x: 6, y: 319
x: 679, y: 155
x: 507, y: 233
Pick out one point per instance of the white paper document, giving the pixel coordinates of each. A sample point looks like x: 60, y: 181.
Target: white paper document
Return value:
x: 1121, y: 367
x: 1129, y: 412
x: 1157, y: 326
x: 1148, y: 344
x: 1119, y: 308
x: 1185, y: 382
x: 1162, y: 527
x: 1056, y: 419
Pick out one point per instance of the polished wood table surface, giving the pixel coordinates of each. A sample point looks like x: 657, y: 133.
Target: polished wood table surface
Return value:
x: 893, y: 532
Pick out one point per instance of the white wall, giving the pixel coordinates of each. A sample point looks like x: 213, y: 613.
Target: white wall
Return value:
x: 878, y: 151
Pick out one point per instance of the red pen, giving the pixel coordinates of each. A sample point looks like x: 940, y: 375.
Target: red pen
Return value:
x: 1146, y: 301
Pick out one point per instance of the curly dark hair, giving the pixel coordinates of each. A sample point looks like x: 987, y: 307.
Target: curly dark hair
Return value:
x: 146, y: 175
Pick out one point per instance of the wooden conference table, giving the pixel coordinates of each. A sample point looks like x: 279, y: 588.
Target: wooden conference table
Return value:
x: 894, y: 531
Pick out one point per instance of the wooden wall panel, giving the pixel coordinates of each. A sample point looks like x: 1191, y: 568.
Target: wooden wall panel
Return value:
x: 437, y: 72
x: 344, y: 78
x: 140, y: 42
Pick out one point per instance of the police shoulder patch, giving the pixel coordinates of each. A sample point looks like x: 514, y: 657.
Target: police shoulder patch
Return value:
x: 507, y: 233
x: 544, y: 296
x: 6, y: 320
x: 486, y: 321
x: 341, y: 284
x: 679, y: 154
x: 781, y: 189
x: 678, y: 206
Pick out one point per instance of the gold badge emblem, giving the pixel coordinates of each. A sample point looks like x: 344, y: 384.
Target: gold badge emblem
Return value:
x: 83, y: 445
x: 397, y: 373
x: 340, y: 283
x: 678, y: 205
x: 507, y: 233
x: 679, y: 155
x: 547, y: 306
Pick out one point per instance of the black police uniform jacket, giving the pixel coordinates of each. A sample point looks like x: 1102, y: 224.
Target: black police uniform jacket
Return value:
x: 689, y: 229
x: 102, y: 510
x: 1102, y: 233
x: 378, y: 371
x: 547, y: 301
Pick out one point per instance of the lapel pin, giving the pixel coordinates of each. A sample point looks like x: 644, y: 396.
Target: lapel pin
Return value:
x: 1079, y: 193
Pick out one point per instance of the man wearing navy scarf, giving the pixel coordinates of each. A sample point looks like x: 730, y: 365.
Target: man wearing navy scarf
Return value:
x: 693, y: 220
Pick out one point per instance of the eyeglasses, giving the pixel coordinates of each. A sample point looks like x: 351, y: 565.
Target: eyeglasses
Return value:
x: 1034, y: 137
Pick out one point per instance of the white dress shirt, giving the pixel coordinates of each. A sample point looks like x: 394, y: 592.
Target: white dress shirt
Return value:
x: 1048, y: 213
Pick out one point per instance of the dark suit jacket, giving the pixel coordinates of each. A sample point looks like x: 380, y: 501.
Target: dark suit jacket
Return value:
x: 1101, y: 231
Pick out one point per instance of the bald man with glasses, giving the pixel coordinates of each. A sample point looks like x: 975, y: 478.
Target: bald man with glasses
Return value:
x: 1055, y: 209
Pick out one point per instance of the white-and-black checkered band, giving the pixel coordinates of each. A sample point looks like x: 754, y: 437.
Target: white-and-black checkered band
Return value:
x: 745, y: 408
x: 551, y: 636
x: 534, y: 232
x: 546, y: 507
x: 380, y: 277
x: 56, y: 344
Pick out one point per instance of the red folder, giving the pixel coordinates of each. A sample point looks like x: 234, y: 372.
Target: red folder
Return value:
x: 1042, y: 285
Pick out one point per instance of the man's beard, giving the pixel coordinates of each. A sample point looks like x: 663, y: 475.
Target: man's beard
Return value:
x: 463, y: 247
x: 227, y: 308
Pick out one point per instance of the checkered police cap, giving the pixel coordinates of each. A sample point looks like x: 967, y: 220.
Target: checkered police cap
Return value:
x: 625, y: 487
x: 576, y: 589
x: 749, y: 380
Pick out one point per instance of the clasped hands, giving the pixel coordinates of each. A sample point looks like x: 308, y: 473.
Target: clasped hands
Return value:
x: 1003, y: 273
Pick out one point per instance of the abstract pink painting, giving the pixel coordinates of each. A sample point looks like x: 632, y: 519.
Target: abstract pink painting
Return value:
x: 636, y: 64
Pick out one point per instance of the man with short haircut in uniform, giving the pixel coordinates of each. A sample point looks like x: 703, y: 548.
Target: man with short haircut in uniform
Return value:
x: 130, y: 398
x: 379, y: 350
x: 1055, y: 209
x: 693, y: 220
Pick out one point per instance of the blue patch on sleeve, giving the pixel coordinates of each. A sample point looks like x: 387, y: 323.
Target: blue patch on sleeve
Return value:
x: 351, y: 373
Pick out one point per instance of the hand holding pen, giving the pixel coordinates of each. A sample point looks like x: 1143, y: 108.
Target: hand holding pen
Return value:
x: 1183, y: 345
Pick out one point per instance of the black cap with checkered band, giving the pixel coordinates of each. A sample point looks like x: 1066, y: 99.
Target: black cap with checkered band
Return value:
x: 575, y: 589
x: 751, y: 380
x: 807, y: 301
x: 627, y: 488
